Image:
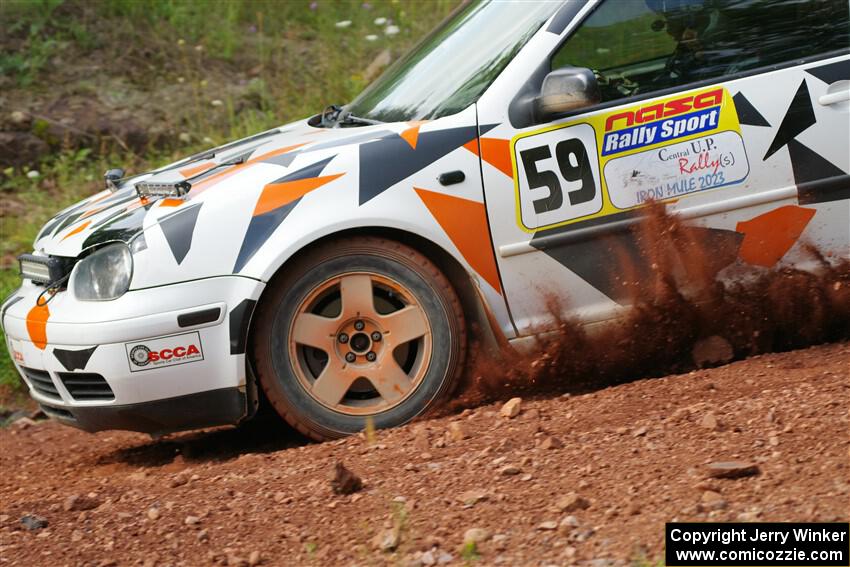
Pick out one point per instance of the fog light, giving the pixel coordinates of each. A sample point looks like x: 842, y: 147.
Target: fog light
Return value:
x: 42, y: 269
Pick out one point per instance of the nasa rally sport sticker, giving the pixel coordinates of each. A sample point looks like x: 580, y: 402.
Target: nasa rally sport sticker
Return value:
x: 622, y: 158
x: 166, y: 351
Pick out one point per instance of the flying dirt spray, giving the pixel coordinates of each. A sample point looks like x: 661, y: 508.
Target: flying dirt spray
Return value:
x: 679, y: 309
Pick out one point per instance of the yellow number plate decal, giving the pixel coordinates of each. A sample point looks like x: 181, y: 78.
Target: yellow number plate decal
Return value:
x: 618, y: 160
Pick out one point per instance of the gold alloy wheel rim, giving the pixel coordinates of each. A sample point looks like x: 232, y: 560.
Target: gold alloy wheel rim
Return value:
x: 374, y: 335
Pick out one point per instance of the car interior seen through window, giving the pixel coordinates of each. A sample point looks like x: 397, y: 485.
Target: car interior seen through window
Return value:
x: 640, y: 46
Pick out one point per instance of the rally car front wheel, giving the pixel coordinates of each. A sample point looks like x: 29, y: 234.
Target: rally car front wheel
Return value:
x: 358, y: 329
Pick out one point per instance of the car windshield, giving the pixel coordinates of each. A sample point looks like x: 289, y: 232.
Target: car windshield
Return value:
x: 450, y: 69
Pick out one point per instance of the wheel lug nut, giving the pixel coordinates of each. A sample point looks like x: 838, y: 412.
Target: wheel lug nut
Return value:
x: 359, y: 325
x: 371, y: 356
x: 350, y: 357
x: 376, y: 336
x: 343, y: 338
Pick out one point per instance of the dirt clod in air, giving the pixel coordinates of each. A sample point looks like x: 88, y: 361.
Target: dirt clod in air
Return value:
x: 694, y: 304
x: 711, y: 351
x: 344, y: 481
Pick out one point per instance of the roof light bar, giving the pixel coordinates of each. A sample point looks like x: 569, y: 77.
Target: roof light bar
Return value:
x: 175, y: 189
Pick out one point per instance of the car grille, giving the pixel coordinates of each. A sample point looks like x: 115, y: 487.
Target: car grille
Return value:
x: 86, y: 386
x: 42, y: 383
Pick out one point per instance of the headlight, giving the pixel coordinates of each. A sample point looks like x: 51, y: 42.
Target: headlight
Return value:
x: 103, y: 275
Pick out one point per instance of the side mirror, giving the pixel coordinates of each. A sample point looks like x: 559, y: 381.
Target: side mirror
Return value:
x: 567, y: 89
x: 112, y: 177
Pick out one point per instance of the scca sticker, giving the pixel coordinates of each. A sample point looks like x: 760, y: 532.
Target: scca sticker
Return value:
x: 618, y: 160
x: 167, y: 351
x: 17, y: 351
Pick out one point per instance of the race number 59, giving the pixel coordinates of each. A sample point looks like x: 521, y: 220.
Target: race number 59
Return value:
x: 557, y: 176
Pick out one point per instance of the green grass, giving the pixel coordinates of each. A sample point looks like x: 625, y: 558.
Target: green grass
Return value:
x: 296, y: 58
x: 469, y: 552
x: 9, y: 282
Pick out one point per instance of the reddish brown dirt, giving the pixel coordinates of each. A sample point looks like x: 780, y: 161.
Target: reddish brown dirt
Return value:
x: 636, y: 452
x: 679, y: 305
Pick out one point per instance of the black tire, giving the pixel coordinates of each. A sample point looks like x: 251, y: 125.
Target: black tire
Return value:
x: 286, y: 382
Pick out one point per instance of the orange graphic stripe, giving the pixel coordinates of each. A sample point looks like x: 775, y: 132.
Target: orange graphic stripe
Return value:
x: 77, y: 230
x: 495, y: 151
x: 216, y: 178
x: 96, y: 199
x: 137, y: 204
x: 276, y: 195
x: 411, y: 135
x: 37, y: 325
x: 274, y: 153
x: 768, y: 237
x: 168, y: 202
x: 93, y: 211
x: 222, y: 175
x: 465, y: 223
x: 100, y: 196
x: 196, y: 169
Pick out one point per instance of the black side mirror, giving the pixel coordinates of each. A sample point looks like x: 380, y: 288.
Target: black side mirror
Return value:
x: 112, y: 177
x: 567, y: 89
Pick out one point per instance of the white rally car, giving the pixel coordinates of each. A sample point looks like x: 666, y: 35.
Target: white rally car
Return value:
x: 339, y: 263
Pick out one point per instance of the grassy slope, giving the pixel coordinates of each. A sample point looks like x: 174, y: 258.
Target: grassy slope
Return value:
x: 299, y: 61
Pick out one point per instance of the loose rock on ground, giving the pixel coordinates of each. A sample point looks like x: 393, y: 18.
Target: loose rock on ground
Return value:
x: 261, y: 495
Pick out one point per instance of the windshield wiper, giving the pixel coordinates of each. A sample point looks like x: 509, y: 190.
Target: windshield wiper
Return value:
x: 335, y: 115
x: 351, y: 119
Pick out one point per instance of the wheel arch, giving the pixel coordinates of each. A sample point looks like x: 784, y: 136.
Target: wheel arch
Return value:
x: 484, y: 329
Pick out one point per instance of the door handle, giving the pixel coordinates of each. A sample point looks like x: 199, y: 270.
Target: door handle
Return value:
x: 837, y: 92
x: 833, y: 98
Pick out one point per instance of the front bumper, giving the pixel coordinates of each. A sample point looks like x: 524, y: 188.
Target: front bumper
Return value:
x: 193, y: 411
x: 155, y: 360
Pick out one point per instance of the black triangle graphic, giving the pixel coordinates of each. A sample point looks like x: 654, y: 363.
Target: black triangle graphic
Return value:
x: 747, y: 113
x: 259, y: 230
x: 798, y: 118
x: 178, y: 229
x: 386, y: 161
x: 74, y: 359
x: 832, y: 72
x: 602, y: 262
x: 817, y: 179
x: 312, y: 170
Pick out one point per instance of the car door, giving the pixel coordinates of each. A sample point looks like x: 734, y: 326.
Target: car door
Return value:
x: 734, y: 114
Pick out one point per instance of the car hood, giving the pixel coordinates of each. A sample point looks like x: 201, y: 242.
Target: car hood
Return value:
x: 121, y: 215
